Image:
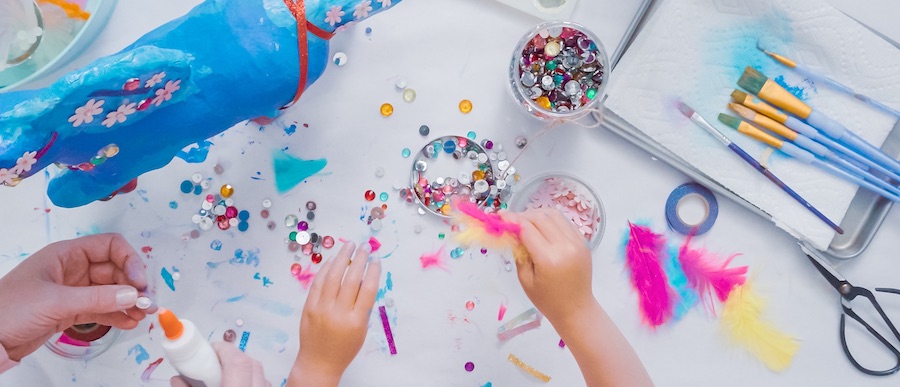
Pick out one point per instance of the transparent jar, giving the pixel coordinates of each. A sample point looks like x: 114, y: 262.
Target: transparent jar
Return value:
x: 83, y: 342
x: 579, y: 50
x: 539, y: 191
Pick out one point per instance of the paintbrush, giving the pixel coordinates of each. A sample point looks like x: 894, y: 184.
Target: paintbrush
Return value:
x: 766, y: 89
x: 811, y: 74
x: 803, y: 155
x: 808, y: 131
x: 807, y: 144
x: 697, y: 119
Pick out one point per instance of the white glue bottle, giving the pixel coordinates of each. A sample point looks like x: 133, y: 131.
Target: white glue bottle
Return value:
x: 189, y: 352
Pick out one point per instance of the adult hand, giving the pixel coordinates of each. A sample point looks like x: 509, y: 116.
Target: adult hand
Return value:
x: 335, y: 317
x: 90, y: 279
x: 238, y: 369
x: 557, y: 277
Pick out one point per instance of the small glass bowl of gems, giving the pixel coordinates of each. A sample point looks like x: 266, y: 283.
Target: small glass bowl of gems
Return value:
x: 83, y: 342
x: 559, y: 71
x: 573, y: 197
x: 467, y: 174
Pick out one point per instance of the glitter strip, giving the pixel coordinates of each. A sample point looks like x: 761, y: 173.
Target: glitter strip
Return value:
x: 298, y: 9
x: 527, y: 368
x: 510, y: 333
x: 244, y: 337
x: 529, y: 315
x: 387, y: 330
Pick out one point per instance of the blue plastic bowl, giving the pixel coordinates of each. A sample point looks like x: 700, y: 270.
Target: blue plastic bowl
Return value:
x: 100, y: 11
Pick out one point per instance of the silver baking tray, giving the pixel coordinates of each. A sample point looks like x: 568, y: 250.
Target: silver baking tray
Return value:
x: 861, y: 221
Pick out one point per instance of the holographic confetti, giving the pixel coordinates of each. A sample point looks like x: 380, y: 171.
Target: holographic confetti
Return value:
x: 244, y: 337
x: 527, y: 368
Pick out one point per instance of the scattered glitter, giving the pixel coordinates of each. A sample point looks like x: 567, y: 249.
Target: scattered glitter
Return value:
x: 387, y: 330
x: 465, y: 106
x: 470, y: 366
x: 244, y: 338
x: 409, y: 95
x: 405, y: 152
x: 529, y: 369
x: 387, y: 109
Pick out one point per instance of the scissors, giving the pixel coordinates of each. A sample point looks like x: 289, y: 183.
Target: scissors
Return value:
x: 849, y: 292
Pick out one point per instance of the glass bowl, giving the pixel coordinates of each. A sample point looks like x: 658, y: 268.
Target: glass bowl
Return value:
x: 540, y: 72
x: 56, y: 47
x: 85, y: 344
x: 572, y: 196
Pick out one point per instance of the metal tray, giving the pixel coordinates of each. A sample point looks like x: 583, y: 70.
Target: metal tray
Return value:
x: 862, y: 219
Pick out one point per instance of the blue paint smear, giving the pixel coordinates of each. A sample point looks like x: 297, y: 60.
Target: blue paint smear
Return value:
x: 389, y: 283
x: 290, y: 130
x: 236, y: 299
x: 797, y: 90
x: 140, y: 352
x: 278, y: 308
x: 143, y: 194
x: 687, y: 297
x: 245, y: 257
x: 173, y: 204
x: 170, y: 282
x: 216, y: 245
x: 290, y: 170
x: 488, y: 384
x: 244, y: 337
x: 196, y: 155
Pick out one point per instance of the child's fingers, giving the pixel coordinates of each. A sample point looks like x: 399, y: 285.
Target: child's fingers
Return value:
x: 318, y: 283
x: 543, y: 220
x: 353, y: 278
x: 569, y: 230
x: 336, y: 272
x: 531, y: 238
x: 369, y: 288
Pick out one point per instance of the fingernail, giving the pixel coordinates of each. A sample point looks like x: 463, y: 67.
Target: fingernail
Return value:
x: 126, y: 298
x: 365, y: 247
x: 143, y: 303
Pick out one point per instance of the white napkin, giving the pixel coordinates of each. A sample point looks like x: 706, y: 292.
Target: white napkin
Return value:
x: 696, y: 50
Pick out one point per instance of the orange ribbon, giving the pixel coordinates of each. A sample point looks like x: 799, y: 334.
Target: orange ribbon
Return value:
x: 298, y: 9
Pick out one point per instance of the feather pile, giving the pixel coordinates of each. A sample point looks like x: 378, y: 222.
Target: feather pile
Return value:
x: 706, y: 274
x: 642, y: 258
x: 488, y: 230
x: 742, y: 321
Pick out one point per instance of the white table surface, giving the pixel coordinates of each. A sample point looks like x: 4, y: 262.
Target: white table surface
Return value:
x: 446, y: 51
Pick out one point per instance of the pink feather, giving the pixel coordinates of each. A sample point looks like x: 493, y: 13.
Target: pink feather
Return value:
x: 706, y: 274
x: 493, y: 224
x: 642, y: 254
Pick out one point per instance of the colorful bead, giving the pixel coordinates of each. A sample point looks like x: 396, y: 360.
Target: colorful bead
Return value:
x: 387, y: 109
x: 409, y: 95
x: 226, y: 191
x: 465, y: 106
x: 370, y: 195
x: 327, y: 242
x: 405, y: 152
x: 383, y: 196
x: 316, y: 258
x: 470, y: 305
x: 424, y: 130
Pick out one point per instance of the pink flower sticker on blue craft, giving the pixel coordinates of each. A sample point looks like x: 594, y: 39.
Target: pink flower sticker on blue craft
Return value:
x: 333, y: 16
x: 86, y: 113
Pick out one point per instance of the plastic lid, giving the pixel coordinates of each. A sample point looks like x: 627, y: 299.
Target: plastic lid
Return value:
x: 170, y: 323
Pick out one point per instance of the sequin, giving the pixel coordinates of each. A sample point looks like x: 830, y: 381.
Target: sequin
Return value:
x: 424, y: 130
x: 243, y: 226
x: 293, y: 246
x: 465, y: 106
x: 387, y: 109
x: 327, y: 242
x: 370, y: 195
x: 267, y: 203
x: 409, y: 95
x: 469, y: 365
x: 339, y: 58
x: 226, y: 191
x: 187, y: 186
x: 405, y: 152
x: 471, y: 135
x: 383, y: 196
x: 469, y: 306
x: 303, y: 237
x: 303, y: 225
x: 291, y: 221
x: 317, y: 258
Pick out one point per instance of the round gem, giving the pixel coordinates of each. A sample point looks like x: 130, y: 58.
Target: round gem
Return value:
x: 483, y: 250
x: 231, y: 212
x: 409, y: 95
x: 307, y: 249
x: 303, y: 237
x: 441, y: 236
x: 310, y: 215
x: 229, y: 336
x: 424, y: 130
x: 370, y: 195
x: 187, y: 186
x: 243, y: 226
x: 111, y: 150
x: 387, y: 109
x: 377, y: 213
x: 293, y: 246
x: 316, y: 258
x: 469, y: 306
x: 296, y: 269
x: 449, y: 146
x: 327, y: 242
x: 401, y: 84
x: 552, y: 49
x: 465, y: 106
x: 290, y: 221
x: 226, y: 191
x: 379, y: 172
x: 244, y: 215
x: 264, y: 214
x: 303, y: 226
x: 97, y: 160
x: 266, y: 203
x: 376, y: 225
x: 218, y: 169
x: 591, y: 93
x: 233, y: 222
x: 270, y: 225
x: 196, y: 178
x: 528, y: 79
x: 292, y: 236
x: 383, y: 196
x: 195, y: 234
x: 487, y: 144
x: 471, y: 135
x: 405, y: 152
x: 314, y: 238
x: 470, y: 366
x: 311, y: 205
x: 421, y: 166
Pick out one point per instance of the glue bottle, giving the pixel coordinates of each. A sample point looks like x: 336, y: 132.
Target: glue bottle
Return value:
x: 189, y: 352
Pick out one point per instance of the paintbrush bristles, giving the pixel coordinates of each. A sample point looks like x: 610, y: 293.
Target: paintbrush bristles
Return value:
x: 685, y: 109
x: 731, y: 121
x: 752, y: 80
x: 738, y: 96
x: 743, y: 111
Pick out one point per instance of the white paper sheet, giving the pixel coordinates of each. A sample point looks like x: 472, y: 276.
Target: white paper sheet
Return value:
x: 696, y: 50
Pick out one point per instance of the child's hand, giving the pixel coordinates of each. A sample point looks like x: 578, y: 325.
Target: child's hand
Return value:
x: 557, y: 278
x: 335, y: 318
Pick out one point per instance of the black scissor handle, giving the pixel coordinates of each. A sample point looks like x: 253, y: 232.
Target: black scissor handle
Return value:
x: 865, y: 293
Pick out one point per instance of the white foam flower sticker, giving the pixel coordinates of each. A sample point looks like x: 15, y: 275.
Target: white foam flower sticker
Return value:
x: 24, y: 163
x: 333, y: 16
x: 119, y: 115
x: 363, y: 9
x: 86, y: 113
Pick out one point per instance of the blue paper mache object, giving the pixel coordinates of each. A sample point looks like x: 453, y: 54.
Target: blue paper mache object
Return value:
x: 224, y: 62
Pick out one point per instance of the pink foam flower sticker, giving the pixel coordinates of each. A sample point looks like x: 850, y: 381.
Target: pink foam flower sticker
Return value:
x: 363, y: 9
x: 333, y: 16
x: 166, y: 92
x: 24, y: 163
x: 7, y: 176
x: 86, y: 113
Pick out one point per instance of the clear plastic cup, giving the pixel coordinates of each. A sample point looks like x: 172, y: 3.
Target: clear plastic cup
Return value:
x: 526, y: 96
x: 73, y: 349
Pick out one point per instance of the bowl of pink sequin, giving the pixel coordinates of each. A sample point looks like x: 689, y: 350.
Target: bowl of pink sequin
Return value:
x: 574, y: 198
x: 559, y: 71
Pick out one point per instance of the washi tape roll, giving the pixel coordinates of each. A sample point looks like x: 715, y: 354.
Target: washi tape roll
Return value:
x: 680, y: 198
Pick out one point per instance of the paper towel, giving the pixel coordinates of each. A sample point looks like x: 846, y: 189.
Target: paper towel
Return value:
x: 696, y: 50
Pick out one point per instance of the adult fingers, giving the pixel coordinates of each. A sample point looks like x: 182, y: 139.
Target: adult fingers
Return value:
x: 75, y: 300
x: 353, y: 279
x: 177, y: 381
x: 237, y: 367
x: 369, y: 288
x: 336, y: 272
x: 109, y: 248
x: 115, y: 319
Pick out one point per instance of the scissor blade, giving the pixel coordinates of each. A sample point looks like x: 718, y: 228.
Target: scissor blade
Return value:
x: 824, y: 267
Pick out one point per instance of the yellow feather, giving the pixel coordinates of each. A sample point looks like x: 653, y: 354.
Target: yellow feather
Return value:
x: 472, y: 233
x: 741, y: 318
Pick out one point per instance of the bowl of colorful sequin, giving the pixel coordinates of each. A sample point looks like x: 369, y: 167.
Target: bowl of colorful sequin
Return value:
x: 559, y: 71
x: 574, y: 198
x: 456, y: 167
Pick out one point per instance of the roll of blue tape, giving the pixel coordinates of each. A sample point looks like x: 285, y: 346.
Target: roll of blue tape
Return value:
x: 675, y: 199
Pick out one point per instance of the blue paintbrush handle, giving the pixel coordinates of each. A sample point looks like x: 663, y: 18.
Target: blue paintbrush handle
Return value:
x: 765, y: 171
x: 840, y: 133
